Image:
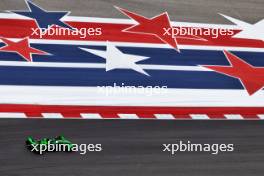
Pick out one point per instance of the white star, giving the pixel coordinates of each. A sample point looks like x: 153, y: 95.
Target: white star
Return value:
x: 115, y: 59
x: 250, y: 31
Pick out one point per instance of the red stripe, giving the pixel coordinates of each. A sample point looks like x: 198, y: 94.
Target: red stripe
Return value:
x: 12, y: 28
x: 146, y: 115
x: 216, y: 116
x: 71, y: 115
x: 251, y: 116
x: 108, y: 115
x: 182, y: 116
x: 147, y: 112
x: 34, y: 114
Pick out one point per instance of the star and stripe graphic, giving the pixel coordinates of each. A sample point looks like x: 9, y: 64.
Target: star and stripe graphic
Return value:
x: 44, y: 19
x: 207, y: 73
x: 153, y: 26
x: 21, y: 47
x: 251, y: 77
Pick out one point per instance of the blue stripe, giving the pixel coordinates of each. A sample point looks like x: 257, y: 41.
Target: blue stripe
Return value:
x: 71, y: 53
x: 98, y: 77
x: 12, y: 75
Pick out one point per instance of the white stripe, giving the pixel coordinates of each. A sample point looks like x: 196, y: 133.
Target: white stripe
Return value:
x: 95, y: 65
x: 234, y: 116
x: 91, y: 116
x: 12, y: 115
x: 65, y: 95
x: 129, y: 21
x: 120, y: 21
x: 261, y: 116
x: 52, y: 115
x: 164, y: 116
x: 13, y: 16
x: 145, y: 45
x: 128, y: 116
x: 199, y: 116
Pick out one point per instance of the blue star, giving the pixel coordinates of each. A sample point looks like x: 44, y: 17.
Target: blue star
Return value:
x: 44, y: 18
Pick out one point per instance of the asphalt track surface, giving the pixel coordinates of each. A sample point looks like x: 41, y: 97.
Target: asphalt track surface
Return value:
x: 181, y: 10
x: 134, y: 147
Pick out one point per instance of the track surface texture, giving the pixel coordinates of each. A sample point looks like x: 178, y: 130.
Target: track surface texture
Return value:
x: 135, y: 147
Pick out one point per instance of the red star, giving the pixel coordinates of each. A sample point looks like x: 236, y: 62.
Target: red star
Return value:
x: 21, y: 47
x: 154, y: 26
x: 251, y: 77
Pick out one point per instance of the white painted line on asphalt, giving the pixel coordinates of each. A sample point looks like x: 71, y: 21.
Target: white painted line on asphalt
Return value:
x: 261, y: 116
x: 128, y: 116
x: 91, y: 116
x: 164, y: 116
x: 52, y: 115
x: 234, y: 117
x: 199, y: 116
x: 12, y: 115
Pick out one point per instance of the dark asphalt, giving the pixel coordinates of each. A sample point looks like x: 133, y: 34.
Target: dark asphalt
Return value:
x: 181, y: 10
x: 135, y: 147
